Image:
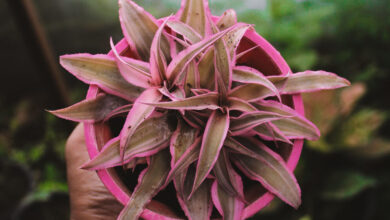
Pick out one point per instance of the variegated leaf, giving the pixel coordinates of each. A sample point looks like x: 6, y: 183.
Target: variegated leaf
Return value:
x: 150, y: 183
x: 212, y: 142
x: 295, y: 126
x: 185, y: 30
x: 185, y: 160
x: 236, y: 147
x: 233, y: 39
x: 270, y: 132
x: 226, y: 176
x: 223, y: 65
x: 100, y: 70
x: 308, y: 81
x: 192, y: 77
x: 240, y: 105
x: 194, y: 13
x: 206, y: 69
x: 183, y: 137
x: 246, y: 74
x: 199, y: 206
x: 138, y: 113
x: 249, y: 120
x: 206, y: 101
x: 133, y: 71
x: 230, y: 207
x: 158, y: 63
x: 118, y: 111
x: 150, y: 137
x: 271, y: 171
x: 91, y: 110
x: 139, y: 28
x: 180, y: 62
x: 251, y: 92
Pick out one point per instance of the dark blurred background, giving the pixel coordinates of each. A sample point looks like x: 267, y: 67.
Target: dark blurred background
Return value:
x: 344, y: 175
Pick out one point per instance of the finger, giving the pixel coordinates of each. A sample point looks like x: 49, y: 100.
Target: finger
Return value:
x: 88, y: 196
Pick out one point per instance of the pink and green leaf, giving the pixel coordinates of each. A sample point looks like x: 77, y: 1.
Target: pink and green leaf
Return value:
x: 194, y: 13
x: 226, y: 176
x: 180, y: 62
x: 233, y: 39
x: 199, y: 206
x: 270, y: 132
x: 100, y: 70
x: 240, y: 105
x: 185, y: 30
x: 91, y: 110
x: 185, y: 160
x: 150, y: 137
x: 138, y: 113
x: 223, y: 65
x: 294, y: 126
x: 230, y: 207
x: 236, y: 147
x: 251, y: 92
x: 158, y: 63
x: 183, y: 137
x: 192, y: 77
x: 122, y: 110
x: 205, y: 101
x: 308, y: 81
x: 214, y: 135
x: 133, y: 71
x: 206, y: 69
x: 150, y: 182
x: 249, y: 120
x: 139, y: 28
x: 244, y: 74
x: 271, y: 171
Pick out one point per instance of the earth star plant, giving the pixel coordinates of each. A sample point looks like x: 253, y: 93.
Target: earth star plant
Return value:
x: 195, y: 116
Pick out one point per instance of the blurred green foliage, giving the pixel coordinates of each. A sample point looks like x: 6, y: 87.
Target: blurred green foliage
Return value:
x: 343, y: 175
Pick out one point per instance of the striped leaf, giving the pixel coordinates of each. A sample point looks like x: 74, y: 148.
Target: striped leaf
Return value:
x: 150, y: 183
x: 139, y: 28
x: 212, y: 142
x: 91, y: 110
x: 271, y: 171
x: 100, y: 70
x: 150, y: 137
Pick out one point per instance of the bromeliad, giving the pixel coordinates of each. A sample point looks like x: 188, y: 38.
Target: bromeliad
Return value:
x: 195, y: 116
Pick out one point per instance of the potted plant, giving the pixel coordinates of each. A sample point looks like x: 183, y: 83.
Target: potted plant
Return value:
x: 205, y: 105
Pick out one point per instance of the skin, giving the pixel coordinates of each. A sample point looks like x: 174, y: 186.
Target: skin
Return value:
x: 89, y: 199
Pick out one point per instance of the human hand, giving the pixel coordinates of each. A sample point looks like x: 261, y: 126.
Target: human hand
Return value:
x: 89, y: 199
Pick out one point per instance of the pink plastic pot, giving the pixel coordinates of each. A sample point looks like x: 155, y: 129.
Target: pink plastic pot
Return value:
x: 266, y: 59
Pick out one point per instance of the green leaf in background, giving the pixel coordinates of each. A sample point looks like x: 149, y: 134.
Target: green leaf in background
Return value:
x: 346, y: 184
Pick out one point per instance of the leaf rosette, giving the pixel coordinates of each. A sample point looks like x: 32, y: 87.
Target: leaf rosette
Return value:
x: 194, y: 111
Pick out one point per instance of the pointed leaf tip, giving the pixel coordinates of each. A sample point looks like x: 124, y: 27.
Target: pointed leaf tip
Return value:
x: 100, y: 70
x: 212, y: 142
x: 139, y: 28
x: 271, y: 171
x: 91, y: 110
x: 150, y: 137
x: 200, y: 102
x: 180, y: 62
x: 150, y: 183
x: 138, y: 113
x: 133, y: 71
x: 308, y: 81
